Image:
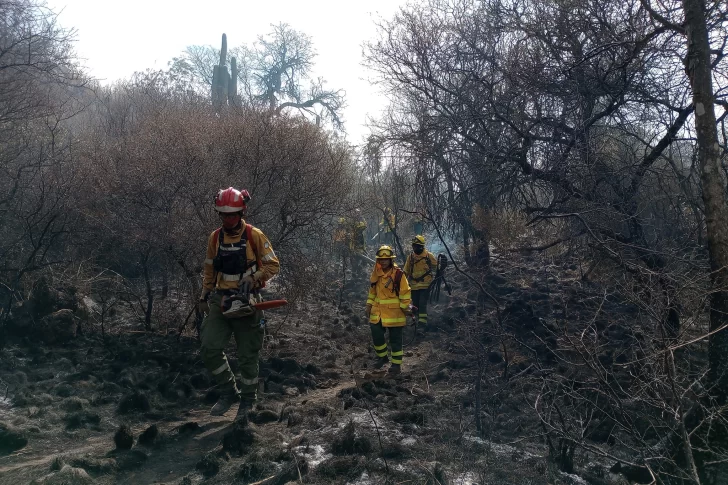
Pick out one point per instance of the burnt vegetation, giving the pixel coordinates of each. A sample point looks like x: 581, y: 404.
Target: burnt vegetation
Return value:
x: 568, y: 159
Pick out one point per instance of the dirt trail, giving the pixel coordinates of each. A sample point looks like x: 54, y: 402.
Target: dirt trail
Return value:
x: 39, y: 453
x: 323, y: 407
x: 176, y: 457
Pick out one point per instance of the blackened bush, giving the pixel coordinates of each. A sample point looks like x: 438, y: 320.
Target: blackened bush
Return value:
x: 136, y: 401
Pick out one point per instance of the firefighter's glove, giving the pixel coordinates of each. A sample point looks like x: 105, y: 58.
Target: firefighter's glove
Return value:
x: 247, y: 284
x: 202, y: 305
x: 368, y: 312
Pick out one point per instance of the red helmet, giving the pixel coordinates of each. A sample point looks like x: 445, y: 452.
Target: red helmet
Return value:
x: 231, y: 200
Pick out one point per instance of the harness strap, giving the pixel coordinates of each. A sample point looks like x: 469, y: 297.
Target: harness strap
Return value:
x: 240, y: 245
x: 412, y: 267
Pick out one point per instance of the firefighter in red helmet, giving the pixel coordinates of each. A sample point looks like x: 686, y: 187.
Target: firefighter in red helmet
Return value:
x: 239, y: 259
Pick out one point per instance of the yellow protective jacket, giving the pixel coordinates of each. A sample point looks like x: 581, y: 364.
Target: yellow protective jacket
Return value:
x: 420, y: 269
x: 340, y: 235
x: 387, y: 306
x: 352, y: 235
x: 358, y: 239
x: 388, y: 223
x: 264, y: 254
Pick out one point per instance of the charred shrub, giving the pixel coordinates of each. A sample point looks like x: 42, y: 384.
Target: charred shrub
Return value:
x: 134, y: 402
x: 124, y: 438
x: 347, y: 442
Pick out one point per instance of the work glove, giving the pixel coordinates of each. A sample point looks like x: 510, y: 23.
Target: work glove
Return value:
x: 368, y: 312
x: 247, y: 284
x: 202, y: 305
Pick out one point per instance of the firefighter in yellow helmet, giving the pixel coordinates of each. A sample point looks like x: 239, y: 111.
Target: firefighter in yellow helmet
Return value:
x: 358, y: 243
x: 388, y: 305
x: 350, y: 241
x: 420, y: 268
x: 387, y: 226
x: 341, y: 236
x: 358, y: 239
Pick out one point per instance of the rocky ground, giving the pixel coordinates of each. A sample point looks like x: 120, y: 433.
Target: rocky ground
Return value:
x: 133, y: 408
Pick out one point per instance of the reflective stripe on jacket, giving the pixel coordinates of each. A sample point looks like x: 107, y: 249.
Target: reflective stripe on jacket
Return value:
x: 416, y: 267
x: 386, y: 305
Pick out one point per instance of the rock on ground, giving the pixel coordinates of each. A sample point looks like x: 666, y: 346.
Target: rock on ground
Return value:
x: 66, y: 476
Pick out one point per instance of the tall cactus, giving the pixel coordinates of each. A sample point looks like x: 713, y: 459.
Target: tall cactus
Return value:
x: 224, y: 86
x: 233, y: 85
x: 223, y: 51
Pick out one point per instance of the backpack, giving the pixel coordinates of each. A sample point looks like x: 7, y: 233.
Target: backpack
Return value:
x: 412, y: 266
x: 397, y: 280
x: 248, y: 240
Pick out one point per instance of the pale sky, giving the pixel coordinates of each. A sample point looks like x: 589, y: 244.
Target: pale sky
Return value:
x: 117, y: 38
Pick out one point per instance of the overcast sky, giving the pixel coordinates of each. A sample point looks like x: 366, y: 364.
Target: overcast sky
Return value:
x: 116, y: 38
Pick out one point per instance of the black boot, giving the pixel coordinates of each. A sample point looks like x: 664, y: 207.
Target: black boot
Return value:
x: 225, y: 402
x: 380, y: 362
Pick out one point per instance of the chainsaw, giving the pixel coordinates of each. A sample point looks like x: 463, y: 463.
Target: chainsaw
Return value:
x: 241, y: 305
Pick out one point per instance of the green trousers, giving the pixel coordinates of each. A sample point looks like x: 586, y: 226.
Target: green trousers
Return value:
x: 215, y: 335
x: 419, y: 299
x: 395, y: 342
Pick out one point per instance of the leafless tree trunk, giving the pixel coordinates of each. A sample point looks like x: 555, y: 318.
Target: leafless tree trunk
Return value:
x: 478, y: 395
x: 698, y: 65
x: 150, y: 291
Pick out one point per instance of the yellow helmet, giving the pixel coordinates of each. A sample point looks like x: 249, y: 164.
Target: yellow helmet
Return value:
x: 419, y: 240
x: 385, y: 252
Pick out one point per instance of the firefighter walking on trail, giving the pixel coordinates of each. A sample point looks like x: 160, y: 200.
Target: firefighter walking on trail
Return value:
x: 387, y: 226
x: 239, y: 260
x: 419, y: 269
x: 388, y: 305
x: 350, y: 241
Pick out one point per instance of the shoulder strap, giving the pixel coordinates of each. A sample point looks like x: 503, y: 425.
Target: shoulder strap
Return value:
x: 220, y: 237
x: 411, y: 265
x: 397, y: 280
